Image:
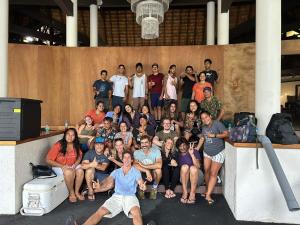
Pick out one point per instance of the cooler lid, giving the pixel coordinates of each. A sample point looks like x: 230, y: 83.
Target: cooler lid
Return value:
x: 39, y: 184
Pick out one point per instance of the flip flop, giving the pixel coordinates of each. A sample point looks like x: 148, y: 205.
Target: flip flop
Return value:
x: 91, y: 197
x: 183, y: 200
x: 210, y: 201
x: 191, y: 201
x: 72, y: 199
x: 203, y: 195
x: 80, y: 197
x: 172, y: 195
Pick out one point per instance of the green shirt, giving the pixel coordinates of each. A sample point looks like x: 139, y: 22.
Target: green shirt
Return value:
x: 213, y: 106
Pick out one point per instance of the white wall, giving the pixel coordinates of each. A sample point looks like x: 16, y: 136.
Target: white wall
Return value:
x: 255, y: 195
x: 15, y: 170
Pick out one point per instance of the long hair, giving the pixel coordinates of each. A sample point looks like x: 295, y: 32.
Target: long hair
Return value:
x: 127, y: 115
x: 64, y: 143
x: 163, y: 149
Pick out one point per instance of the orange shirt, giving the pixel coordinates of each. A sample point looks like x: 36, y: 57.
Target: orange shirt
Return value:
x: 68, y: 159
x: 198, y: 89
x: 96, y: 118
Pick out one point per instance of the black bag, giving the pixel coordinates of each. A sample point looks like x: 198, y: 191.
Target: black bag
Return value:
x: 42, y: 171
x: 280, y: 129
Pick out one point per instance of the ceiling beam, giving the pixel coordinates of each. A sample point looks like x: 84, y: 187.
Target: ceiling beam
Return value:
x: 33, y: 33
x: 66, y: 6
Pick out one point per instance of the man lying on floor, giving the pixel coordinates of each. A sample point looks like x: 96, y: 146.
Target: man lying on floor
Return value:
x: 125, y: 180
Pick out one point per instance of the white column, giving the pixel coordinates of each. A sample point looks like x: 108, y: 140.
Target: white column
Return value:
x: 71, y: 29
x: 3, y: 48
x: 223, y: 26
x: 93, y: 25
x: 210, y: 23
x: 268, y: 61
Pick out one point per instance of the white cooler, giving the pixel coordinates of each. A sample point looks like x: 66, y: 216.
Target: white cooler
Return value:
x: 41, y: 196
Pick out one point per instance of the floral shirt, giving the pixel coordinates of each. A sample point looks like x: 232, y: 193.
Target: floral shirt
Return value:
x: 213, y: 106
x: 108, y: 135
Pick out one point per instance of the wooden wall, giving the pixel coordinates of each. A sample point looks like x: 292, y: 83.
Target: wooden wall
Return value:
x: 62, y: 77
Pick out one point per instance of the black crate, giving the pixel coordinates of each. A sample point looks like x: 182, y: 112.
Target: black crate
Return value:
x: 20, y: 118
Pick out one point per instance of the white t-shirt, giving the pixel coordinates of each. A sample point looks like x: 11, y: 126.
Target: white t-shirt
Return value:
x: 138, y: 86
x: 119, y: 83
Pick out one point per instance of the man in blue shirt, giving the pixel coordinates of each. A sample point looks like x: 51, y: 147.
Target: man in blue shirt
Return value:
x: 125, y: 180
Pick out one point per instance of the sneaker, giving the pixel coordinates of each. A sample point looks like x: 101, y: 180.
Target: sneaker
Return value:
x: 141, y: 194
x: 219, y: 180
x: 153, y: 193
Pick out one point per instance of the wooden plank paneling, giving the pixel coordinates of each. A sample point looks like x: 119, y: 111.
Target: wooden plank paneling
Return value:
x: 62, y: 77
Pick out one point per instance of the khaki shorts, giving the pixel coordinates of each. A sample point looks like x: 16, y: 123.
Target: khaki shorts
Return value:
x: 118, y: 203
x: 219, y: 158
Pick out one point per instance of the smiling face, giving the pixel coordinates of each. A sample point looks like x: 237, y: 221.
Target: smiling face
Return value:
x: 103, y: 76
x: 173, y: 70
x: 107, y: 124
x: 169, y: 144
x: 154, y: 69
x: 207, y: 94
x: 123, y: 127
x: 183, y: 148
x: 127, y: 160
x: 100, y: 106
x: 166, y: 124
x: 128, y: 108
x: 143, y: 121
x: 206, y: 119
x: 145, y: 110
x: 99, y: 147
x: 189, y: 70
x: 70, y: 136
x: 139, y: 69
x: 117, y: 109
x: 173, y: 108
x: 193, y: 106
x: 121, y: 69
x: 145, y: 144
x: 207, y: 65
x: 119, y: 146
x: 202, y: 77
x: 88, y: 120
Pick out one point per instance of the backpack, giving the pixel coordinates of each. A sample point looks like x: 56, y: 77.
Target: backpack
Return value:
x: 245, y: 128
x: 280, y: 129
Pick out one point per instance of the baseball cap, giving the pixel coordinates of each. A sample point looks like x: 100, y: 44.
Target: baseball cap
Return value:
x: 207, y: 89
x: 100, y: 140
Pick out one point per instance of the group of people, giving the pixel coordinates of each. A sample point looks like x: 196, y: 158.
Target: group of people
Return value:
x: 129, y: 146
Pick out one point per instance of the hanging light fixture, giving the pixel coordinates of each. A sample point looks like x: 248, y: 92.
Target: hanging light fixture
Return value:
x: 149, y: 14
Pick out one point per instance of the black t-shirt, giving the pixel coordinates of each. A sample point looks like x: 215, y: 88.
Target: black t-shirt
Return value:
x: 187, y: 88
x: 211, y: 76
x: 103, y: 87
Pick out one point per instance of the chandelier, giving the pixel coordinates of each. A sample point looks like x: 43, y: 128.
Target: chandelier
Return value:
x: 149, y: 14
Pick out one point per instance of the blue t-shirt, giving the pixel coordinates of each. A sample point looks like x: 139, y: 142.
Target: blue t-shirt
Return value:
x: 103, y: 87
x: 148, y: 159
x: 126, y: 184
x: 101, y: 158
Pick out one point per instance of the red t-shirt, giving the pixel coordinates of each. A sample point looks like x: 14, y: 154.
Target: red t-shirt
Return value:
x: 68, y: 159
x: 158, y: 80
x: 96, y: 118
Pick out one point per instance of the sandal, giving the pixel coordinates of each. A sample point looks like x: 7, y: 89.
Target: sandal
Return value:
x: 80, y: 197
x: 210, y: 201
x: 191, y: 201
x: 91, y: 196
x: 172, y: 194
x: 72, y: 198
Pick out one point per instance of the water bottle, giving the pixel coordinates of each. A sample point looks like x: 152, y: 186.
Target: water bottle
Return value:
x: 66, y: 124
x: 47, y: 129
x: 229, y: 127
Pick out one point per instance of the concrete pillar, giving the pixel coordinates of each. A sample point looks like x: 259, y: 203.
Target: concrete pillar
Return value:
x: 268, y: 61
x: 3, y: 48
x: 93, y: 25
x: 210, y: 23
x: 223, y: 26
x: 71, y: 29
